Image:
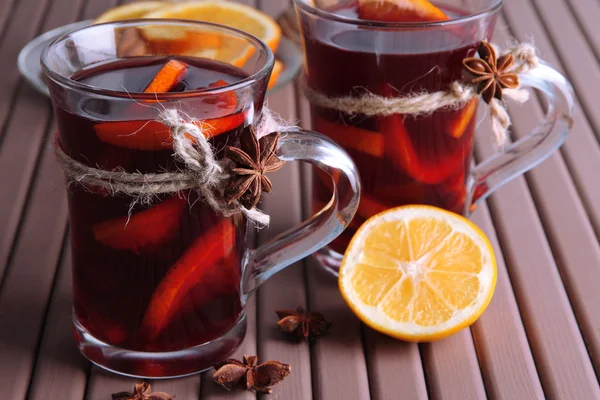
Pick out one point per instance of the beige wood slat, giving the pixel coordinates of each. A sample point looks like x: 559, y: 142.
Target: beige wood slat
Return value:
x: 338, y: 364
x: 60, y: 370
x: 579, y: 60
x: 7, y: 7
x: 505, y: 358
x: 572, y: 236
x: 451, y: 368
x: 587, y: 12
x: 93, y: 8
x: 581, y: 151
x: 394, y: 367
x: 559, y: 352
x: 24, y: 122
x: 29, y: 277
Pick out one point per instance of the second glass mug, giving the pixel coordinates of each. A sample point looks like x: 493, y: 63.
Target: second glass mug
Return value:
x: 345, y: 56
x: 162, y: 292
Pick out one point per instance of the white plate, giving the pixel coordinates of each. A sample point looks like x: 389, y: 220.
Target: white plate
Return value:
x: 29, y: 58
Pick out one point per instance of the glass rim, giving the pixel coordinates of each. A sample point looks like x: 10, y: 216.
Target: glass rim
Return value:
x: 305, y: 6
x: 66, y: 81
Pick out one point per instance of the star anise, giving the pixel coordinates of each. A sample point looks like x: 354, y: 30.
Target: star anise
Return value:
x: 303, y: 324
x: 252, y: 161
x: 142, y: 391
x: 491, y: 73
x: 232, y: 374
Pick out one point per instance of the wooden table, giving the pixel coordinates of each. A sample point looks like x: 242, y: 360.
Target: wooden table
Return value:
x: 540, y: 336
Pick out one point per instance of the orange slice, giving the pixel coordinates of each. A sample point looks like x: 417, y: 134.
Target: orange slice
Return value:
x: 131, y: 11
x: 459, y: 126
x: 352, y: 138
x: 233, y: 50
x: 418, y: 273
x: 167, y: 77
x: 400, y: 11
x: 277, y: 68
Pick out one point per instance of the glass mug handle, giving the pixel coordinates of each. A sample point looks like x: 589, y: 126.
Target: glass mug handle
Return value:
x: 320, y: 229
x: 534, y: 148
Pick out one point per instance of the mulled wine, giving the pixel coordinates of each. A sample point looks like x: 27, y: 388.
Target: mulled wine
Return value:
x: 152, y: 274
x: 402, y: 158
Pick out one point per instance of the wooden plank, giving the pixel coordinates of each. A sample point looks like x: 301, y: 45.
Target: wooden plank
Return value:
x: 338, y: 360
x: 7, y: 7
x: 25, y: 123
x: 581, y: 151
x: 60, y: 370
x: 572, y: 236
x: 394, y: 367
x: 451, y: 368
x: 504, y: 355
x: 29, y: 277
x: 559, y: 352
x: 93, y: 8
x: 587, y: 12
x: 21, y: 28
x: 577, y: 57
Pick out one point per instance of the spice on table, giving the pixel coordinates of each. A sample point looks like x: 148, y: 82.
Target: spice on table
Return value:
x: 142, y: 391
x: 303, y: 324
x: 232, y: 374
x: 253, y: 159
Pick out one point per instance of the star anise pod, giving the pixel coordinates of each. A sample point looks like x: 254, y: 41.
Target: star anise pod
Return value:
x: 252, y: 161
x: 303, y: 324
x: 232, y: 374
x: 491, y: 73
x: 142, y: 391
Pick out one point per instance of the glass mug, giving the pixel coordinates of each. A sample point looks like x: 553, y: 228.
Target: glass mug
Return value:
x: 159, y: 289
x: 403, y: 159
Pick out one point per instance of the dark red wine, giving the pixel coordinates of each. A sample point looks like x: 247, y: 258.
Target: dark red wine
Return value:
x: 402, y: 159
x: 153, y: 277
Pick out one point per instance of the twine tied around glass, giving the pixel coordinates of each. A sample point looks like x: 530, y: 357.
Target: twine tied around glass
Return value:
x: 202, y: 171
x: 425, y: 103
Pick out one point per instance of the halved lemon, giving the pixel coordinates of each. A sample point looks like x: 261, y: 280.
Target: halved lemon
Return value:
x: 418, y: 273
x: 228, y: 13
x: 131, y: 11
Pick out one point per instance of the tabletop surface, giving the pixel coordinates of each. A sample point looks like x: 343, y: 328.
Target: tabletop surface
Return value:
x: 539, y: 338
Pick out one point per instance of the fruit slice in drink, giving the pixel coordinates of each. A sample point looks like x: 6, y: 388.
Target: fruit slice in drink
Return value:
x: 191, y: 268
x: 150, y: 135
x: 400, y: 11
x: 142, y: 230
x: 168, y: 76
x: 351, y: 137
x: 401, y: 152
x: 458, y: 127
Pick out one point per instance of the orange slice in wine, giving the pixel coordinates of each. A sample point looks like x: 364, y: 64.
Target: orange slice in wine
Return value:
x: 400, y: 11
x: 458, y: 127
x: 142, y: 230
x: 191, y: 268
x: 168, y: 76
